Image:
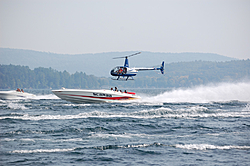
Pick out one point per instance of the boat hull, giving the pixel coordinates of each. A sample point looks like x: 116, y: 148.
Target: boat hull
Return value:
x: 11, y: 95
x: 93, y: 96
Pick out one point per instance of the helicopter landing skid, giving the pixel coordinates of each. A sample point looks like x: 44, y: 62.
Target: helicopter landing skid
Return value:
x: 122, y: 79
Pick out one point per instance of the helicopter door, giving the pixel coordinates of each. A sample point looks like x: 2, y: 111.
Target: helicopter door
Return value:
x: 124, y: 70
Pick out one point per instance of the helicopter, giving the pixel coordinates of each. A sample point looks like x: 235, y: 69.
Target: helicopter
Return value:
x: 125, y: 72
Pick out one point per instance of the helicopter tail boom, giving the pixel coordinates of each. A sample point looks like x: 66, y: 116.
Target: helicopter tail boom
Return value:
x: 160, y: 68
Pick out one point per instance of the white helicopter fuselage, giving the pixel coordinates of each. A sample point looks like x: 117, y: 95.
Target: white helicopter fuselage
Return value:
x: 126, y: 71
x: 132, y: 71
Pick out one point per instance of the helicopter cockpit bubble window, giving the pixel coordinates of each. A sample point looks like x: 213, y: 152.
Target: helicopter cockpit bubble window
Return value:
x: 116, y: 69
x: 119, y: 70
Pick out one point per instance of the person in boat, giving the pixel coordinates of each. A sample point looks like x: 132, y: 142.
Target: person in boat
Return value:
x: 121, y: 91
x: 18, y: 90
x: 125, y: 91
x: 116, y: 89
x: 22, y: 90
x: 111, y: 89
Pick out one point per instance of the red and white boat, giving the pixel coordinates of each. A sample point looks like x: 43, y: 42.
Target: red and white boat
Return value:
x: 93, y: 96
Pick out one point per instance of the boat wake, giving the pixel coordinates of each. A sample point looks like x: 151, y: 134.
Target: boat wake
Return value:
x: 202, y: 94
x: 48, y: 97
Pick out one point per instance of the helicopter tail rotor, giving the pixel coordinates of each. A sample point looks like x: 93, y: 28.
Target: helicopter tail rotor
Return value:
x: 162, y: 68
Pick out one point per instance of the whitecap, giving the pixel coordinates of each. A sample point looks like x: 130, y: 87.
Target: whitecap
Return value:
x: 43, y: 150
x: 209, y: 147
x: 16, y: 106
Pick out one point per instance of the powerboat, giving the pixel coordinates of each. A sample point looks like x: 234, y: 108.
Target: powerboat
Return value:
x: 13, y: 94
x: 93, y: 96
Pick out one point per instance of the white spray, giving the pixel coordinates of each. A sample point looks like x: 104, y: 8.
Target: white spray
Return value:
x: 217, y: 93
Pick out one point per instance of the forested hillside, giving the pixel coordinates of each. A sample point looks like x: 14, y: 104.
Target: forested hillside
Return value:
x: 12, y: 76
x: 90, y: 63
x: 181, y: 74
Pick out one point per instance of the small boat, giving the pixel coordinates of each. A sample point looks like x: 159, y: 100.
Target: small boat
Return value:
x: 93, y: 96
x: 13, y: 94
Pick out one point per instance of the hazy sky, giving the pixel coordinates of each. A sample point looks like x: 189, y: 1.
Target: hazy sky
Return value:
x: 95, y: 26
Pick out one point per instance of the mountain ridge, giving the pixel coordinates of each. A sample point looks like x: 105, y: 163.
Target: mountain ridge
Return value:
x: 98, y: 64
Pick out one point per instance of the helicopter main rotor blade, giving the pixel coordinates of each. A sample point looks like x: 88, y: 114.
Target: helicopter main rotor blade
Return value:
x: 127, y: 56
x: 119, y: 57
x: 134, y: 54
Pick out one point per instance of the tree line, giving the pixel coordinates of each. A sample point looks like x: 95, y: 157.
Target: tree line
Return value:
x: 181, y: 74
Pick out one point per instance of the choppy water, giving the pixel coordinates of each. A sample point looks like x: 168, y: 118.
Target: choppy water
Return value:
x: 207, y: 125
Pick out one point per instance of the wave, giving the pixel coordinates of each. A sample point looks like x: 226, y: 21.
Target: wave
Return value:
x: 16, y: 106
x: 79, y: 148
x: 210, y: 147
x: 203, y: 94
x: 135, y: 146
x: 38, y: 139
x: 191, y: 112
x: 123, y: 135
x: 43, y: 150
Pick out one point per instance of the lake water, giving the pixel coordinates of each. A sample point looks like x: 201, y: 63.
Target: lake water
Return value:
x: 206, y: 125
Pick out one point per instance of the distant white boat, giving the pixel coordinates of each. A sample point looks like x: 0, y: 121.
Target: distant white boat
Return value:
x: 93, y: 96
x: 13, y: 94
